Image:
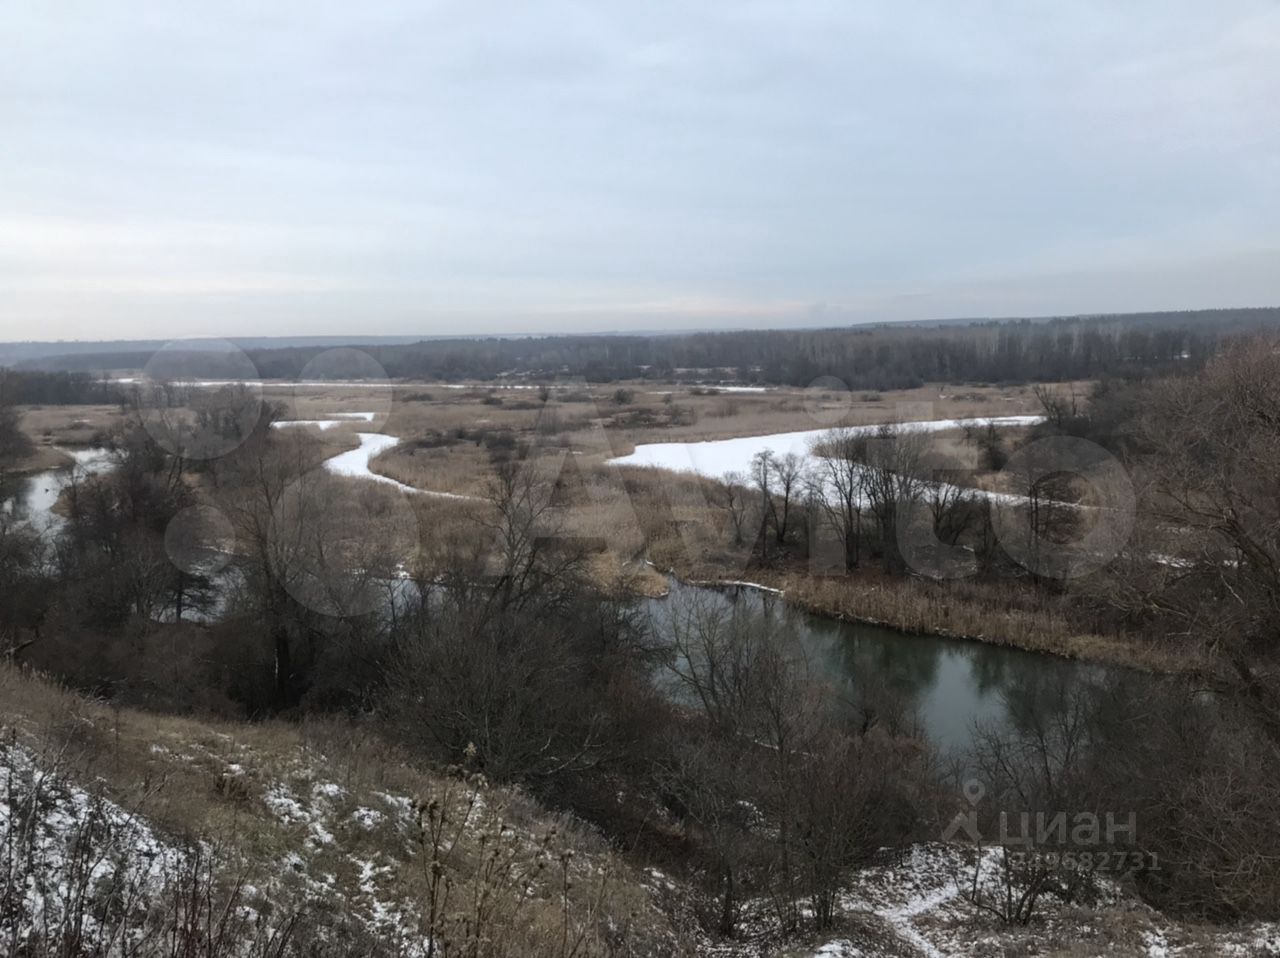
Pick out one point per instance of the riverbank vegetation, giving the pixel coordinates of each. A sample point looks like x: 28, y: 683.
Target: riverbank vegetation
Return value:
x: 195, y: 621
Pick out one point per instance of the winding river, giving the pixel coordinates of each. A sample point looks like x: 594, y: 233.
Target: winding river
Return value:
x: 939, y: 686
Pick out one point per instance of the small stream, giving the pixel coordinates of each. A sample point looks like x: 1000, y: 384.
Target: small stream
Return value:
x: 31, y: 498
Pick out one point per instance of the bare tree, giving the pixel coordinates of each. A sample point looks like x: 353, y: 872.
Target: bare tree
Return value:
x: 825, y: 799
x: 838, y: 486
x: 893, y: 480
x: 23, y: 588
x: 733, y: 498
x: 788, y: 473
x: 1045, y: 763
x: 313, y: 552
x: 712, y: 655
x: 1212, y: 446
x: 1061, y: 409
x: 723, y: 661
x: 530, y: 552
x: 14, y: 443
x: 705, y: 774
x: 762, y: 469
x: 509, y: 654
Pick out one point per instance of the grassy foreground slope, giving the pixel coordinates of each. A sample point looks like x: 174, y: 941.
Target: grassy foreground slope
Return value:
x: 125, y: 834
x: 129, y: 833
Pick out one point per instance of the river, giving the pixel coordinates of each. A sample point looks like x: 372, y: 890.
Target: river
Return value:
x: 31, y: 498
x: 939, y: 686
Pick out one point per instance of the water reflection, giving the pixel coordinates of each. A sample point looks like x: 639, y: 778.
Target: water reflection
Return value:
x: 945, y: 687
x: 31, y: 499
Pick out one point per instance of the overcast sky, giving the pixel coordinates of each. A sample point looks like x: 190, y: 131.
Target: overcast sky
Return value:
x: 321, y: 167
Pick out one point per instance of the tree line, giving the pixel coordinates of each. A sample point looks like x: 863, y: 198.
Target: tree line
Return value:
x: 886, y: 356
x: 873, y: 357
x: 56, y: 388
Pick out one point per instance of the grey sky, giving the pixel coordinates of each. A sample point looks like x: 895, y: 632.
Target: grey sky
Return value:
x: 174, y: 169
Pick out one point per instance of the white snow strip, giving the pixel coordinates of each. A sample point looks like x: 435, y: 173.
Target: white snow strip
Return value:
x: 717, y: 458
x: 486, y: 385
x: 337, y: 419
x: 260, y: 383
x: 736, y: 584
x: 355, y: 462
x: 321, y: 424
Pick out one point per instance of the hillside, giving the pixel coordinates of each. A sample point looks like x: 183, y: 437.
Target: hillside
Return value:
x: 126, y: 833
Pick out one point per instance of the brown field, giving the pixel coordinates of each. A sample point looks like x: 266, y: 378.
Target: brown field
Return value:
x: 446, y: 436
x: 727, y: 415
x: 44, y: 458
x: 677, y: 522
x: 70, y: 425
x: 635, y: 522
x: 633, y: 517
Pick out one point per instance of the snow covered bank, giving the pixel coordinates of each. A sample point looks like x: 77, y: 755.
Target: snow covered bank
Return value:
x: 717, y: 458
x: 74, y: 862
x: 339, y: 419
x: 259, y: 383
x: 920, y: 904
x: 356, y: 463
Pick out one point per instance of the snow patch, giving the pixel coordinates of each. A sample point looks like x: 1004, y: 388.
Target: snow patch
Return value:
x: 75, y: 846
x: 355, y: 462
x: 717, y: 458
x: 336, y: 419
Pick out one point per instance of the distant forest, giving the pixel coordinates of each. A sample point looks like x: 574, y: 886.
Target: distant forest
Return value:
x: 863, y: 357
x: 55, y: 388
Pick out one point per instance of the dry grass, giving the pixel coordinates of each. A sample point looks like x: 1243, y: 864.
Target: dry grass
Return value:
x: 693, y: 539
x: 994, y: 612
x: 596, y: 514
x: 462, y: 469
x: 42, y: 459
x: 446, y: 433
x: 451, y: 410
x: 449, y: 438
x: 655, y: 413
x: 949, y: 446
x: 792, y: 410
x: 70, y: 425
x: 326, y: 813
x: 325, y: 443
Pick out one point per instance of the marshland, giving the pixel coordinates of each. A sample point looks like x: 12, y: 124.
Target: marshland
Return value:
x: 586, y: 665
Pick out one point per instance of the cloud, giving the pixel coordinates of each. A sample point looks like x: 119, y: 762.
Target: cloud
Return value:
x: 401, y: 166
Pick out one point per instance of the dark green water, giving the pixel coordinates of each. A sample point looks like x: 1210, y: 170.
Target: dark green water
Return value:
x: 941, y: 687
